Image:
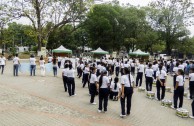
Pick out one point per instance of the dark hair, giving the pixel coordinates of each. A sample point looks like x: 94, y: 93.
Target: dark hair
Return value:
x: 16, y: 55
x: 92, y: 69
x: 54, y: 60
x: 160, y: 68
x: 41, y: 57
x: 127, y: 71
x: 70, y: 66
x: 150, y: 65
x: 181, y: 71
x: 101, y: 77
x: 66, y: 65
x: 116, y: 80
x: 177, y: 64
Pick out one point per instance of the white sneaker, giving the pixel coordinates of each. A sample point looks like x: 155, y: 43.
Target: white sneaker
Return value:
x: 99, y: 111
x: 74, y: 95
x: 172, y: 107
x: 122, y: 116
x: 192, y: 117
x: 93, y: 103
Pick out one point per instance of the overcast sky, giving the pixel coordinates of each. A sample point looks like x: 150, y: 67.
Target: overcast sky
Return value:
x: 132, y: 2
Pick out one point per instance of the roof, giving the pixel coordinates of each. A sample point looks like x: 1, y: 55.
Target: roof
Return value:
x: 99, y: 51
x: 62, y: 49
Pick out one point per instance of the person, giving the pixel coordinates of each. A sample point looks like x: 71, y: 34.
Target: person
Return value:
x: 133, y: 67
x: 16, y: 62
x: 127, y: 84
x: 32, y: 65
x: 140, y: 70
x: 50, y: 58
x: 175, y: 71
x: 64, y: 76
x: 161, y: 82
x: 192, y: 105
x: 155, y: 69
x: 149, y: 77
x: 103, y: 91
x: 86, y: 71
x: 59, y: 59
x: 93, y: 85
x: 191, y: 83
x: 55, y: 67
x: 42, y: 66
x: 71, y: 80
x: 115, y: 89
x: 2, y: 63
x: 179, y: 89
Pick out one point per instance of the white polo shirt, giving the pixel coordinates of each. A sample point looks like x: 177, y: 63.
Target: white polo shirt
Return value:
x: 70, y: 73
x: 125, y: 80
x: 181, y: 80
x: 181, y: 67
x: 140, y: 68
x: 41, y: 62
x: 155, y: 67
x: 16, y: 61
x: 149, y: 72
x: 191, y: 77
x: 2, y: 61
x: 105, y: 81
x: 65, y: 72
x: 161, y: 74
x: 93, y: 79
x: 86, y: 70
x: 50, y: 59
x: 32, y: 61
x: 113, y: 87
x: 132, y: 64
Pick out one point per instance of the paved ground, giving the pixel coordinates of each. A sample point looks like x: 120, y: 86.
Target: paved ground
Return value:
x: 41, y: 101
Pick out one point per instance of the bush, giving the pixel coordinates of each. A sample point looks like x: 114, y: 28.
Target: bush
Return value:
x: 35, y: 48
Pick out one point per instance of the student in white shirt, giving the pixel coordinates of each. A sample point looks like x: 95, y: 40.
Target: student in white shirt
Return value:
x: 191, y: 83
x: 71, y: 80
x: 115, y: 89
x: 133, y: 67
x: 140, y: 70
x: 127, y: 84
x: 64, y: 75
x: 179, y: 89
x: 175, y: 73
x: 98, y: 69
x: 55, y: 67
x: 59, y: 59
x: 42, y: 66
x: 122, y: 67
x: 32, y: 65
x: 155, y: 68
x: 104, y: 83
x: 117, y: 64
x: 161, y: 82
x: 149, y: 77
x: 16, y: 62
x: 93, y: 85
x: 86, y: 72
x: 2, y: 63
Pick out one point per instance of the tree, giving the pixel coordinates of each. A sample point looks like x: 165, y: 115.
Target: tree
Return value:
x: 47, y: 15
x: 170, y: 18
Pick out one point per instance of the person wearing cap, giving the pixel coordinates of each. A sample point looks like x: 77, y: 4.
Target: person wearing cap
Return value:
x: 103, y: 90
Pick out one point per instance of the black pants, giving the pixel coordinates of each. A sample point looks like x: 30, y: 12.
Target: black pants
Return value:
x: 2, y: 68
x: 155, y: 75
x: 65, y: 82
x: 139, y: 77
x: 103, y: 97
x: 86, y: 79
x: 192, y: 105
x: 122, y: 71
x: 59, y: 64
x: 93, y: 91
x: 112, y: 68
x: 158, y: 87
x: 149, y: 81
x: 115, y: 95
x: 128, y: 91
x: 32, y: 69
x: 98, y: 72
x: 133, y: 70
x: 71, y: 86
x: 191, y: 89
x: 117, y: 71
x: 178, y: 94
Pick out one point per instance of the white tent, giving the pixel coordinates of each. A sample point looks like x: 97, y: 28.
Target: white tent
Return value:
x: 139, y: 53
x: 99, y: 51
x: 62, y: 49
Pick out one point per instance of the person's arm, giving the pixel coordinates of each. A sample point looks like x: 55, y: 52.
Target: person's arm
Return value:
x: 176, y: 86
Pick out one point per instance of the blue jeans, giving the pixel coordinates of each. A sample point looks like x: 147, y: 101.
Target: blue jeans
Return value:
x: 15, y: 69
x: 2, y: 68
x: 32, y: 69
x: 55, y: 71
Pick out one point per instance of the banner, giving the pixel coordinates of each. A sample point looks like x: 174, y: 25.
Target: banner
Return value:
x: 24, y: 67
x: 49, y: 67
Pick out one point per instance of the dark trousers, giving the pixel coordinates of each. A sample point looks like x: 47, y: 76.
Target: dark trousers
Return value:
x: 86, y: 79
x: 32, y: 70
x: 71, y: 86
x: 103, y: 97
x: 122, y: 71
x: 133, y: 70
x: 191, y: 89
x: 192, y: 105
x: 59, y: 64
x: 149, y: 81
x: 117, y: 71
x: 154, y: 74
x: 128, y: 91
x: 98, y: 72
x: 178, y: 94
x: 55, y: 71
x: 2, y: 68
x: 139, y: 77
x: 65, y: 82
x: 80, y: 72
x: 174, y: 80
x: 93, y: 90
x: 15, y: 69
x: 158, y: 87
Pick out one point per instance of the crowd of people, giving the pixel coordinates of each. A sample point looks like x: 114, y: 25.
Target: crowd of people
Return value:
x: 115, y: 78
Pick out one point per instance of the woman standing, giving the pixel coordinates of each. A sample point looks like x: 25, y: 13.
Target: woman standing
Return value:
x: 55, y: 67
x: 32, y: 65
x: 86, y: 72
x: 64, y: 75
x: 117, y: 64
x: 133, y: 67
x: 71, y: 80
x: 2, y: 63
x: 16, y: 62
x: 42, y: 66
x: 93, y: 85
x: 103, y: 91
x: 127, y: 82
x: 191, y: 83
x: 149, y: 77
x: 179, y: 89
x: 161, y: 82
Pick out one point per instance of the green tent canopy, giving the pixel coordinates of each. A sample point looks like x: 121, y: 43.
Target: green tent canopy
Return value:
x: 99, y: 51
x: 138, y: 53
x: 62, y: 49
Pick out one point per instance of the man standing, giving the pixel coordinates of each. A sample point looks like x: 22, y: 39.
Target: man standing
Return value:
x: 2, y: 63
x: 16, y: 63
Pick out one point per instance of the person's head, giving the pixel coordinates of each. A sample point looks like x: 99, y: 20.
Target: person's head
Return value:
x: 116, y: 80
x: 16, y: 55
x: 93, y: 70
x: 126, y: 71
x: 70, y: 66
x: 177, y: 64
x: 66, y: 65
x: 160, y: 67
x: 41, y: 58
x: 180, y: 72
x: 150, y: 65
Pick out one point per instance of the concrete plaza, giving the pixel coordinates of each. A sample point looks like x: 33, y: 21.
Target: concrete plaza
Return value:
x: 41, y: 101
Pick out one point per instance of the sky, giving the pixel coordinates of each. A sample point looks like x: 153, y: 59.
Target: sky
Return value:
x: 132, y: 2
